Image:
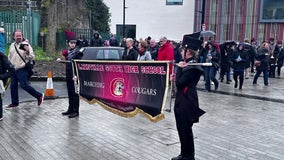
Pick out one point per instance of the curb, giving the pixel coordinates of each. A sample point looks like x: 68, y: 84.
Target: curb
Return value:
x: 244, y: 95
x: 44, y: 78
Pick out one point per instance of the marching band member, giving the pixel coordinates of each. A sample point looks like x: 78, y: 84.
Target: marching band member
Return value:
x: 186, y: 109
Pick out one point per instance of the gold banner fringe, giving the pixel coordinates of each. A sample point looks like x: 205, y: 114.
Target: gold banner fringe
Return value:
x: 124, y: 114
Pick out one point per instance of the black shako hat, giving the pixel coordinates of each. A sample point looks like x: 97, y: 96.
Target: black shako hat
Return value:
x: 70, y: 36
x: 191, y: 41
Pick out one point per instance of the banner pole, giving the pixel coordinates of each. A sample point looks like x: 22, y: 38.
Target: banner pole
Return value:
x: 171, y: 91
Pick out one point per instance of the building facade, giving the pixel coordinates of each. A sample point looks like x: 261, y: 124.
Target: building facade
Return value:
x: 155, y: 18
x: 239, y: 19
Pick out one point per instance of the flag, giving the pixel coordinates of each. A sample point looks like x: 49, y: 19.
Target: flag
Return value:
x: 125, y: 88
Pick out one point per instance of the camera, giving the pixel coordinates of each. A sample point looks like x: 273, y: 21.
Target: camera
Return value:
x: 22, y: 46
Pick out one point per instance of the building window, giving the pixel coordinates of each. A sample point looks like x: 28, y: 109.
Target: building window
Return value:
x: 174, y: 2
x: 272, y: 11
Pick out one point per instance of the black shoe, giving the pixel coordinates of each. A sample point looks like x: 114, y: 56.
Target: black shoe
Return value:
x: 12, y: 106
x: 179, y: 157
x: 236, y: 85
x: 66, y: 113
x: 228, y: 82
x: 216, y: 86
x: 73, y: 115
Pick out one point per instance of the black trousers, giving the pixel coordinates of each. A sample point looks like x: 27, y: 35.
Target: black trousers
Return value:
x: 278, y: 70
x: 184, y: 128
x: 251, y: 64
x: 1, y: 107
x: 272, y: 69
x: 72, y: 96
x: 239, y: 74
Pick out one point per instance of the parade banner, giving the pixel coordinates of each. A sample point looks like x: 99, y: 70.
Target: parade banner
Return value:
x: 125, y: 87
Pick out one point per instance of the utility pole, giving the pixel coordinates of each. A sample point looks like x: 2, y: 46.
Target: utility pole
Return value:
x: 202, y: 13
x: 29, y: 21
x: 123, y: 23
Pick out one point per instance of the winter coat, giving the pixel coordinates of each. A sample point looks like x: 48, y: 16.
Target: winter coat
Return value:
x: 250, y: 51
x: 166, y: 53
x: 96, y: 41
x: 280, y: 57
x: 82, y: 43
x: 130, y: 54
x: 186, y: 104
x: 2, y: 43
x: 113, y: 42
x: 154, y: 52
x: 225, y: 58
x: 71, y: 54
x: 177, y: 55
x: 216, y: 57
x: 14, y: 57
x: 262, y: 56
x: 146, y: 56
x: 239, y: 64
x: 6, y: 68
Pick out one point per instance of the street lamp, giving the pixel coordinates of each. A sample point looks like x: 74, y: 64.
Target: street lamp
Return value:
x: 202, y: 14
x: 29, y: 16
x: 123, y: 24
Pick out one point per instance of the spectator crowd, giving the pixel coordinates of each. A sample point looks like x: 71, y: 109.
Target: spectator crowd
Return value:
x: 231, y: 60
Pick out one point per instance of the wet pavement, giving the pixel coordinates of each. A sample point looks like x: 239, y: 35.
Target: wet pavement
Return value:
x: 238, y: 125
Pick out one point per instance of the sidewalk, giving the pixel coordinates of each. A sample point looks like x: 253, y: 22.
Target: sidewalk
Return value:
x: 233, y: 128
x: 273, y: 92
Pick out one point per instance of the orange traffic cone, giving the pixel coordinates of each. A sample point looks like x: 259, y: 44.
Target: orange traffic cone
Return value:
x: 49, y: 92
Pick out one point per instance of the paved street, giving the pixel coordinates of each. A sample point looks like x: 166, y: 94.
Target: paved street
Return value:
x: 238, y: 125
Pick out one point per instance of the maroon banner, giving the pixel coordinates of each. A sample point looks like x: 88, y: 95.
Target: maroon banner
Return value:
x: 123, y: 87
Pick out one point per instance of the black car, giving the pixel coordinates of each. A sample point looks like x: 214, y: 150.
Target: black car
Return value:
x: 102, y: 53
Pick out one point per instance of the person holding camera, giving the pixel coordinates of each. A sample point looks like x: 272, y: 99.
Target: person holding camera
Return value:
x: 20, y: 53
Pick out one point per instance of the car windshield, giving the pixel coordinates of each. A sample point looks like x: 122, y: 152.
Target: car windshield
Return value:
x: 108, y: 54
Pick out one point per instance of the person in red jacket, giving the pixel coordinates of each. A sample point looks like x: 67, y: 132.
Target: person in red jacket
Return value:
x: 166, y: 52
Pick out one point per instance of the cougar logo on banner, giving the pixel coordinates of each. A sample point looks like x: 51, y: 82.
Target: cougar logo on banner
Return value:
x: 117, y: 86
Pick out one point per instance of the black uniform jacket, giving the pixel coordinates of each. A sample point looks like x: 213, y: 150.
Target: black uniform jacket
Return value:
x: 6, y: 68
x: 187, y: 99
x: 72, y: 54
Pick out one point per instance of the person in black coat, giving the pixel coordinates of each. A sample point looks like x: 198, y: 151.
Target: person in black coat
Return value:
x: 239, y: 61
x: 211, y: 55
x: 6, y: 71
x: 113, y: 41
x: 153, y: 48
x: 73, y: 97
x: 226, y: 52
x: 96, y: 41
x: 82, y: 42
x: 250, y: 51
x: 186, y: 108
x: 130, y: 53
x: 280, y: 58
x: 262, y: 63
